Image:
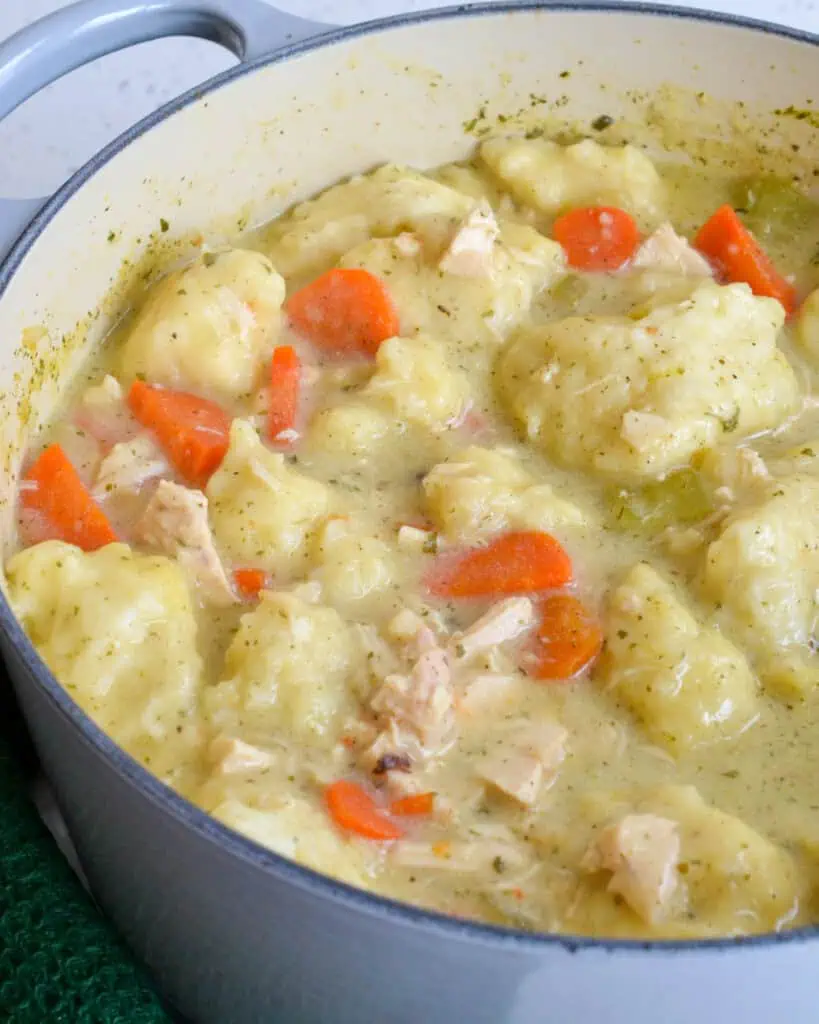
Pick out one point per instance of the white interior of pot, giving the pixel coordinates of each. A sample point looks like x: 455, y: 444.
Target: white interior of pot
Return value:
x: 411, y: 95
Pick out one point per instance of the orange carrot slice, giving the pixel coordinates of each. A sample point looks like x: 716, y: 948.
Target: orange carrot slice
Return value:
x: 737, y: 256
x: 344, y: 311
x: 54, y: 491
x: 283, y: 391
x: 353, y: 809
x: 597, y: 237
x: 513, y: 563
x: 193, y: 431
x: 415, y: 804
x: 568, y: 639
x: 249, y: 582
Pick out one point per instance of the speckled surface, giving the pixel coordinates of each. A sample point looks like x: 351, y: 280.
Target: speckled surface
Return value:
x: 54, y: 133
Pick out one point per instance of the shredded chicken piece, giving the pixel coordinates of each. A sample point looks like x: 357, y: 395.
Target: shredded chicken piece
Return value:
x: 420, y: 706
x: 106, y: 396
x: 128, y: 466
x: 102, y: 412
x: 176, y: 522
x: 417, y: 707
x: 469, y: 254
x: 666, y: 250
x: 406, y: 625
x: 533, y: 760
x: 486, y: 692
x: 504, y: 621
x: 407, y: 244
x: 643, y: 429
x: 233, y: 756
x: 642, y: 852
x: 412, y: 538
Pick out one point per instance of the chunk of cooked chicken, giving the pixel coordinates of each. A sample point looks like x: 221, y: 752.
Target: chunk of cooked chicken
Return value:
x: 176, y: 522
x: 469, y: 254
x: 487, y: 691
x: 102, y: 412
x: 734, y: 473
x: 417, y: 708
x: 128, y: 466
x: 665, y: 250
x: 642, y: 852
x: 504, y: 621
x: 232, y: 756
x: 533, y: 760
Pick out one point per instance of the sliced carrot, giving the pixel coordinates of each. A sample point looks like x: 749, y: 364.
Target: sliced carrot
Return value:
x: 345, y: 311
x: 53, y: 489
x: 513, y: 563
x: 568, y: 639
x: 737, y: 256
x: 283, y: 391
x: 353, y: 809
x: 416, y: 803
x: 193, y: 431
x: 249, y: 582
x: 597, y: 237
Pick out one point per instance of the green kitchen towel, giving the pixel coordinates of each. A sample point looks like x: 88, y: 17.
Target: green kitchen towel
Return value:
x: 60, y: 960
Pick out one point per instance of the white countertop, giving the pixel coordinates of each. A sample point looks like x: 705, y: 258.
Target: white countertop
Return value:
x: 54, y: 133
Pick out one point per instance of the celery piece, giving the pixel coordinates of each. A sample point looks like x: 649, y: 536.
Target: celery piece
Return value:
x: 679, y: 499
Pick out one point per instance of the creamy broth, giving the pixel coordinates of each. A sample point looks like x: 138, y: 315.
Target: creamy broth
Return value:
x: 653, y: 419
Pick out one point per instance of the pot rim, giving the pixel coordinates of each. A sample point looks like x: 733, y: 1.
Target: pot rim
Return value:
x: 161, y: 795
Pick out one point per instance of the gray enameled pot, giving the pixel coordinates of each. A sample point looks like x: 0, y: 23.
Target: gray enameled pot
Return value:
x: 232, y: 933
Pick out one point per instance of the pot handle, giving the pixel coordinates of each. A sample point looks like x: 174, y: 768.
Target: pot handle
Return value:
x: 49, y: 48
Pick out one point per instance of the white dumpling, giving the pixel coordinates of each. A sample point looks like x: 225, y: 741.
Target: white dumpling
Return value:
x: 289, y: 670
x: 637, y: 398
x: 261, y: 509
x: 353, y: 566
x: 413, y: 382
x: 392, y: 199
x: 471, y: 316
x: 762, y: 572
x: 480, y: 492
x: 118, y: 631
x: 300, y: 831
x: 208, y: 327
x: 553, y: 178
x: 686, y: 683
x: 414, y: 396
x: 726, y: 878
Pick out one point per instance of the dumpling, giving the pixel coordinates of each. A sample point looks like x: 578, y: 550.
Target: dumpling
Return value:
x: 762, y: 572
x: 118, y: 631
x: 388, y: 426
x: 553, y: 178
x: 261, y: 509
x: 291, y: 669
x: 480, y: 492
x: 636, y: 398
x: 299, y: 831
x: 685, y: 682
x: 413, y: 382
x: 392, y: 199
x: 470, y: 315
x: 208, y: 327
x: 725, y: 878
x: 354, y: 567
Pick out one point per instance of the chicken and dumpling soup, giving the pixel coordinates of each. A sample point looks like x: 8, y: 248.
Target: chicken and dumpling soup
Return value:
x: 457, y: 535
